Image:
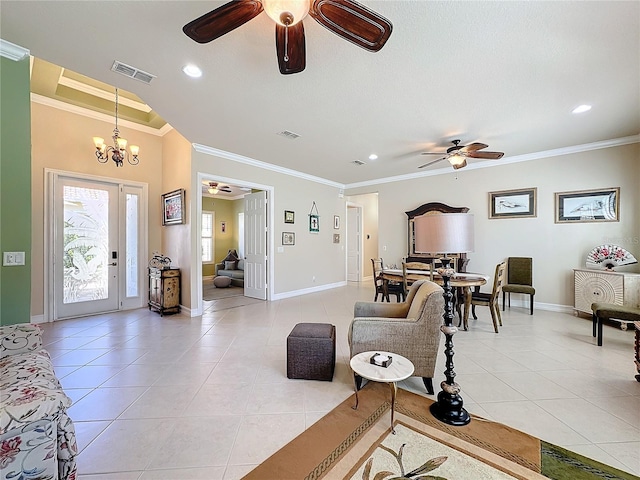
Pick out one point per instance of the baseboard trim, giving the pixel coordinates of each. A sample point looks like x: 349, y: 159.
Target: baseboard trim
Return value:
x: 524, y: 303
x: 305, y: 291
x: 38, y: 319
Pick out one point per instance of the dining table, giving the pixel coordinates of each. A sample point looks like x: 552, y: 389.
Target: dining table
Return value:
x: 461, y: 281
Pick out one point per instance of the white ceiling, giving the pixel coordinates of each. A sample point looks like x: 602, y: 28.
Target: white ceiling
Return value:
x: 506, y: 74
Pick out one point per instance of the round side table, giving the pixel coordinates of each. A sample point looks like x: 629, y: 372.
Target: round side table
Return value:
x: 399, y: 369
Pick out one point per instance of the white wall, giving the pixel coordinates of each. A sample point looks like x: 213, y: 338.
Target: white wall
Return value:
x: 555, y: 248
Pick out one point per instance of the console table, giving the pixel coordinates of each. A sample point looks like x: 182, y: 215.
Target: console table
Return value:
x: 593, y: 286
x: 164, y: 290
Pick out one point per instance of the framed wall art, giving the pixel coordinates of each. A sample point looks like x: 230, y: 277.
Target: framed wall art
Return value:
x: 314, y: 219
x: 314, y: 223
x: 223, y: 227
x: 336, y: 222
x: 519, y: 203
x: 289, y: 216
x: 288, y: 238
x: 173, y: 207
x: 601, y: 205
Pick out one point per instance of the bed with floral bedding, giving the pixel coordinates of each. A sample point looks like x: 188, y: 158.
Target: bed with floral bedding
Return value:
x: 37, y: 438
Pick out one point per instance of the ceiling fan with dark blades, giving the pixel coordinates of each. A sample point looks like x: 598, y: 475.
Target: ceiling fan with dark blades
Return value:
x: 457, y: 155
x: 346, y: 18
x: 215, y: 187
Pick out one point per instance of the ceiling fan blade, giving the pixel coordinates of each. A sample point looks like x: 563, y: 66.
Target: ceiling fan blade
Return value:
x: 459, y: 165
x: 353, y: 22
x: 290, y: 48
x: 222, y: 20
x: 472, y: 147
x: 431, y: 163
x: 489, y: 155
x: 432, y: 153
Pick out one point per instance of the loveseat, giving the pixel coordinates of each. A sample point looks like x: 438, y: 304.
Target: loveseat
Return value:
x: 37, y: 438
x: 233, y: 267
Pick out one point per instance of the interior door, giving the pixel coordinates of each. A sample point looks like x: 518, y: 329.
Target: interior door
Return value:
x: 255, y: 245
x: 354, y: 241
x: 85, y: 260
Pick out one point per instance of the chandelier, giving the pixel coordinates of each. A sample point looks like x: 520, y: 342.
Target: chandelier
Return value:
x: 118, y: 151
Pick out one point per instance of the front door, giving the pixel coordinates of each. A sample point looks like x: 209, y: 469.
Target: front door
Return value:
x: 255, y: 245
x: 96, y: 246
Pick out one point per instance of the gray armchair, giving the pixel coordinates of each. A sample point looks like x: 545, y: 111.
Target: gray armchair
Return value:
x: 410, y: 329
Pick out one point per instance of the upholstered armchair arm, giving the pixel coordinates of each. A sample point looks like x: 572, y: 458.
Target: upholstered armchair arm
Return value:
x: 394, y: 334
x: 374, y: 309
x: 219, y: 266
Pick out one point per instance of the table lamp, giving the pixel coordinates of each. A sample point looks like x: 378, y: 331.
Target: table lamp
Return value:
x: 442, y: 234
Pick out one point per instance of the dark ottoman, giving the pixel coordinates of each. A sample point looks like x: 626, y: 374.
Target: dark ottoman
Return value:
x: 311, y: 351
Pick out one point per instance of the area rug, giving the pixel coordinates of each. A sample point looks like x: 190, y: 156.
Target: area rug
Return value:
x: 358, y: 445
x: 210, y: 292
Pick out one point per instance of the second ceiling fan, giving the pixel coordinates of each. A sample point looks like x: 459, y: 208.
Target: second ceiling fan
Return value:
x: 457, y: 155
x: 346, y: 18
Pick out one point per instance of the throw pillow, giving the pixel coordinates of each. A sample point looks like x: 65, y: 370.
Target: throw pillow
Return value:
x: 230, y: 265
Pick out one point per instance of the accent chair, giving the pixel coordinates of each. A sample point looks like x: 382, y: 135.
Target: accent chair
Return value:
x: 410, y: 328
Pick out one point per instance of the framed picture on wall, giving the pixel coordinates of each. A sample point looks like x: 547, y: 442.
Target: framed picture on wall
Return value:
x: 288, y: 238
x: 314, y: 223
x: 173, y: 207
x: 520, y: 203
x: 602, y: 205
x: 223, y: 227
x: 289, y: 216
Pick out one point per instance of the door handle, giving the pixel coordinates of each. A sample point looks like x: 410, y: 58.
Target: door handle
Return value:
x: 114, y: 264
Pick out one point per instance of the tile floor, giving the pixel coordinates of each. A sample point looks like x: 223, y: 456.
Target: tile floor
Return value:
x: 207, y: 397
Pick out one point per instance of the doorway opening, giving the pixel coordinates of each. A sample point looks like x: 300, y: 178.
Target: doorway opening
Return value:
x: 241, y: 243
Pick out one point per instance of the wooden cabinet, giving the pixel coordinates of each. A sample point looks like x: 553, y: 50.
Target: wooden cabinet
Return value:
x: 606, y: 287
x: 164, y: 290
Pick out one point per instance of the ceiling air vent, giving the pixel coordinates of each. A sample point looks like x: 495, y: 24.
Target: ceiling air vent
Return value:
x: 288, y: 134
x: 132, y: 72
x: 358, y: 162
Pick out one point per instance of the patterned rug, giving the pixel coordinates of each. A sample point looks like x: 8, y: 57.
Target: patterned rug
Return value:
x: 358, y: 445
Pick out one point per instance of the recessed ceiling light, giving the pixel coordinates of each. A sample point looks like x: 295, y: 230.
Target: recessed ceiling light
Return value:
x: 373, y: 156
x: 192, y: 70
x: 581, y: 109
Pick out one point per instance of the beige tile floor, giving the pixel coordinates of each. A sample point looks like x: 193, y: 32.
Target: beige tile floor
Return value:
x: 207, y: 397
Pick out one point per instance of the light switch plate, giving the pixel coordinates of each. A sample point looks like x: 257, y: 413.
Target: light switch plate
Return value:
x: 12, y: 259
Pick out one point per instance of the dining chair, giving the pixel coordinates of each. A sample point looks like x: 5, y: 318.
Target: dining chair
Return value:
x: 406, y: 282
x: 490, y: 300
x: 383, y: 287
x: 519, y: 279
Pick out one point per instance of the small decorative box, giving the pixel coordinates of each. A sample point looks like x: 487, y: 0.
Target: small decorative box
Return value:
x: 380, y: 360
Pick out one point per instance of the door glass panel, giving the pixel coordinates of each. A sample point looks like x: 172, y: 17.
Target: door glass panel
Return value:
x: 131, y: 245
x: 86, y: 244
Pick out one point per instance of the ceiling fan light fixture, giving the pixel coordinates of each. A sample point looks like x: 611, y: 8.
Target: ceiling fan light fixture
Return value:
x: 286, y: 12
x: 213, y: 190
x: 456, y: 160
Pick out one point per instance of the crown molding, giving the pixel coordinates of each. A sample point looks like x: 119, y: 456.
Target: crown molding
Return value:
x: 100, y: 93
x: 616, y: 142
x: 85, y: 112
x: 266, y: 166
x: 12, y: 51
